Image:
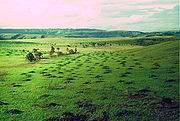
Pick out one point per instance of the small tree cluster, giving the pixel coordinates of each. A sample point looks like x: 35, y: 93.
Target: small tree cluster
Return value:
x: 35, y: 55
x: 52, y: 51
x: 59, y: 52
x: 71, y: 51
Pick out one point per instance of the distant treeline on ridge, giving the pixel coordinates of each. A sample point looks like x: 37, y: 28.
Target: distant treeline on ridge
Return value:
x: 76, y: 33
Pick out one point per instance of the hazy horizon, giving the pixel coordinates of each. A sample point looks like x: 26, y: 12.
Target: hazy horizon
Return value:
x: 97, y: 29
x: 129, y: 15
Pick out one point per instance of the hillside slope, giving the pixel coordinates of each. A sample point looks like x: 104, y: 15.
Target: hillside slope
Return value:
x: 131, y: 84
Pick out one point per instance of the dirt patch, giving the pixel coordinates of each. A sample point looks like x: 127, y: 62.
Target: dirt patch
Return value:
x: 120, y: 81
x: 156, y: 65
x: 143, y: 93
x: 43, y: 72
x: 130, y: 68
x: 23, y: 73
x: 32, y: 72
x: 167, y: 109
x: 13, y: 111
x: 70, y: 78
x: 68, y: 116
x: 87, y: 82
x: 129, y: 82
x: 98, y: 76
x: 51, y: 105
x: 123, y: 63
x: 126, y: 114
x: 125, y: 74
x: 48, y: 105
x: 106, y: 67
x: 16, y: 85
x: 68, y: 82
x: 47, y: 74
x: 28, y: 75
x: 54, y: 70
x: 60, y: 72
x: 52, y: 76
x: 87, y: 105
x: 27, y: 79
x: 153, y: 76
x: 104, y: 117
x: 168, y: 103
x: 141, y: 67
x: 107, y: 71
x: 3, y: 103
x: 137, y: 63
x: 60, y: 77
x: 45, y: 96
x: 170, y: 81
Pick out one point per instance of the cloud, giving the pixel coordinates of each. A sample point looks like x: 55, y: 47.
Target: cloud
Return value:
x: 164, y: 20
x: 157, y: 7
x: 131, y: 19
x: 113, y: 2
x: 103, y: 14
x: 127, y: 14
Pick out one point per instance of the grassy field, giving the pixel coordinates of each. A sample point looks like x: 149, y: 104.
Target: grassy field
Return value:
x: 114, y: 79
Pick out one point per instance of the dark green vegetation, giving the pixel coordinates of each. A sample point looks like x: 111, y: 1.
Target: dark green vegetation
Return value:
x: 6, y: 34
x: 116, y: 81
x: 141, y: 41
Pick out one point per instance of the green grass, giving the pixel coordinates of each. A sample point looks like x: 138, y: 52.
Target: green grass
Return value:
x: 117, y: 82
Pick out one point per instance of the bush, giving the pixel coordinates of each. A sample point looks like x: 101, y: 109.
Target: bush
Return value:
x: 30, y: 57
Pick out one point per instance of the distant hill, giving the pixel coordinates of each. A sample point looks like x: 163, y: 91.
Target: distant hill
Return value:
x: 77, y: 33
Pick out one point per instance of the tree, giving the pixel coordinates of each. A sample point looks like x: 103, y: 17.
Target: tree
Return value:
x: 30, y: 57
x: 52, y: 51
x: 58, y: 52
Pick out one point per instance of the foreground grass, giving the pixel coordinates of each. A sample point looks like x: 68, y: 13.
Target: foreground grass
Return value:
x: 99, y: 83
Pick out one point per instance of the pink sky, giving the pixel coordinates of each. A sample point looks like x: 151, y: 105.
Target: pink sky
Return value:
x: 78, y: 13
x: 47, y: 13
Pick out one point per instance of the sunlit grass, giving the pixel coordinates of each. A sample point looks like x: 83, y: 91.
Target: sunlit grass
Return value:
x: 115, y: 82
